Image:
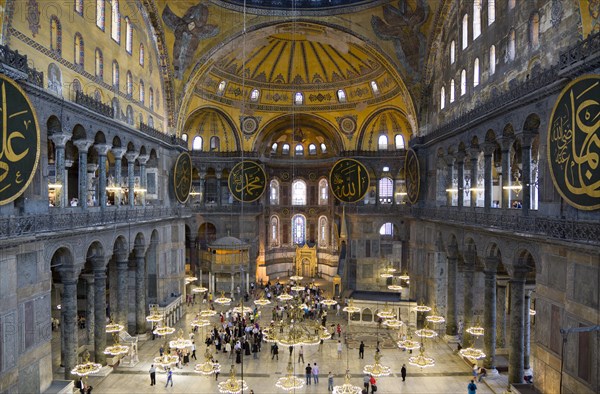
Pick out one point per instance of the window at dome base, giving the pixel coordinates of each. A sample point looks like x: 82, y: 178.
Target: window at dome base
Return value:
x: 323, y: 148
x: 312, y: 149
x: 386, y: 229
x: 285, y: 149
x: 221, y: 88
x: 274, y: 147
x: 299, y: 150
x: 254, y: 95
x: 298, y: 98
x: 374, y: 87
x: 341, y: 96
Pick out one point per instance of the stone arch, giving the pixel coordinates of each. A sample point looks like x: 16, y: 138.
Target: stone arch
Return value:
x: 207, y: 233
x: 100, y: 138
x: 202, y: 122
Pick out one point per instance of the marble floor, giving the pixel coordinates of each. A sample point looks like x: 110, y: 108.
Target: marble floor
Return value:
x: 450, y: 374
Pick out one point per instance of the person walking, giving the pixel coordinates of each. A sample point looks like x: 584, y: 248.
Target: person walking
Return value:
x: 315, y: 372
x: 366, y: 381
x: 275, y: 350
x: 330, y: 382
x: 339, y: 349
x: 339, y: 330
x: 152, y: 375
x: 361, y: 350
x: 169, y: 377
x: 403, y: 372
x: 472, y: 387
x: 301, y: 354
x: 194, y: 350
x: 373, y: 383
x: 308, y: 373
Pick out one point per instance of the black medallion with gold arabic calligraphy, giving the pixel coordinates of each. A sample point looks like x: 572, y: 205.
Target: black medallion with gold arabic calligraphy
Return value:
x: 413, y: 176
x: 182, y: 177
x: 247, y: 181
x: 349, y: 180
x: 20, y: 143
x: 574, y: 143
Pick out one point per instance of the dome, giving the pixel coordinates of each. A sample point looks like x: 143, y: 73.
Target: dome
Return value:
x: 228, y: 242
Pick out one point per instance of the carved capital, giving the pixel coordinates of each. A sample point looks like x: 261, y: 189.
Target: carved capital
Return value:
x: 59, y: 139
x: 143, y: 159
x: 131, y: 156
x: 83, y: 145
x: 102, y: 149
x: 489, y: 148
x: 118, y: 152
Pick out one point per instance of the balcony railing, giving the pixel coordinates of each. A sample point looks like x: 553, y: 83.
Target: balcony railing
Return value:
x: 95, y: 105
x: 16, y: 61
x: 152, y: 132
x: 17, y: 226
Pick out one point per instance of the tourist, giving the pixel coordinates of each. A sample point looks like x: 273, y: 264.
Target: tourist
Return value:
x: 315, y: 372
x: 152, y: 375
x: 373, y: 383
x: 403, y: 372
x: 472, y: 387
x: 361, y: 350
x: 330, y: 381
x: 169, y: 377
x: 339, y: 350
x: 308, y: 373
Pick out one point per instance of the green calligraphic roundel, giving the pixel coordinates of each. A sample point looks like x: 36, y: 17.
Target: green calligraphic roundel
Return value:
x: 182, y: 177
x: 247, y: 181
x: 574, y: 143
x: 20, y: 143
x: 412, y: 176
x: 349, y: 180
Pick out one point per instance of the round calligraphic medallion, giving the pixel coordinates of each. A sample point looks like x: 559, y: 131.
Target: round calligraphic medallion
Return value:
x: 413, y: 176
x: 20, y: 144
x: 182, y: 177
x: 247, y: 181
x: 573, y: 143
x: 349, y: 180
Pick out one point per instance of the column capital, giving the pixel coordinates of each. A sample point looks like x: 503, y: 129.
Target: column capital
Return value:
x: 60, y: 139
x: 518, y: 274
x: 68, y: 275
x: 89, y: 278
x: 121, y: 256
x: 102, y: 149
x: 98, y: 263
x: 491, y: 263
x: 460, y: 156
x: 506, y: 142
x: 143, y: 159
x: 119, y: 152
x: 83, y: 145
x: 139, y: 251
x: 527, y: 138
x: 489, y: 148
x: 131, y: 156
x: 474, y: 152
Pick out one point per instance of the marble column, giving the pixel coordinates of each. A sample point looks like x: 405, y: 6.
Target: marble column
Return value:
x: 460, y: 163
x: 517, y: 326
x: 232, y: 287
x: 452, y: 289
x: 468, y: 275
x: 102, y: 150
x: 194, y: 263
x: 474, y: 152
x: 506, y: 171
x: 140, y: 289
x: 99, y: 309
x: 69, y: 321
x: 118, y: 152
x: 449, y: 179
x: 489, y: 313
x: 501, y: 316
x: 526, y: 172
x: 122, y: 263
x: 143, y: 159
x: 218, y: 174
x: 60, y: 141
x: 68, y: 164
x: 83, y: 146
x: 488, y: 182
x: 89, y: 313
x: 527, y: 331
x: 131, y: 156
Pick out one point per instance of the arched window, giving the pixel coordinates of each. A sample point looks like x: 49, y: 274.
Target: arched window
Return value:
x: 98, y: 97
x: 115, y: 75
x: 323, y: 232
x: 274, y: 147
x: 184, y: 137
x: 298, y: 230
x: 452, y: 90
x: 323, y: 148
x: 142, y: 55
x: 142, y: 92
x: 299, y: 150
x: 215, y: 144
x: 341, y: 95
x: 511, y: 45
x: 78, y: 50
x: 386, y: 190
x: 151, y: 98
x: 476, y: 18
x: 463, y: 82
x: 99, y: 64
x: 534, y: 30
x: 442, y: 98
x: 130, y: 115
x: 285, y: 149
x: 254, y: 94
x: 383, y: 142
x: 274, y: 233
x: 476, y: 72
x: 221, y: 88
x: 54, y: 79
x: 399, y: 141
x: 100, y: 14
x: 129, y: 36
x: 386, y: 229
x: 465, y: 31
x: 197, y: 143
x: 115, y: 22
x: 323, y: 192
x: 274, y: 192
x: 79, y: 6
x: 511, y: 4
x: 299, y: 192
x: 452, y: 52
x: 374, y: 87
x: 492, y: 60
x: 76, y: 85
x: 116, y: 106
x: 150, y: 121
x: 55, y: 35
x: 129, y: 81
x: 491, y: 11
x: 298, y: 98
x: 312, y: 149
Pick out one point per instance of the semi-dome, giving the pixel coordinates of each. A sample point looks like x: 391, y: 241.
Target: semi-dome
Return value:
x: 228, y: 242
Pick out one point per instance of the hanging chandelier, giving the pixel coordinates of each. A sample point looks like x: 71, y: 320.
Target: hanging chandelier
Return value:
x: 262, y: 301
x: 154, y: 316
x: 395, y: 287
x: 223, y: 300
x: 350, y: 308
x: 347, y: 387
x: 421, y: 360
x: 241, y: 309
x: 296, y: 278
x: 163, y: 330
x: 297, y: 288
x: 386, y: 313
x: 190, y: 279
x: 409, y: 344
x: 207, y: 313
x: 295, y: 330
x: 116, y: 349
x: 426, y: 332
x: 472, y: 353
x: 166, y: 360
x: 476, y: 330
x: 377, y: 369
x: 232, y: 385
x: 200, y: 289
x: 422, y: 308
x: 393, y: 323
x: 404, y: 277
x: 180, y: 342
x: 435, y: 318
x: 328, y: 302
x: 285, y: 297
x: 388, y: 272
x: 532, y: 312
x: 199, y: 322
x: 208, y: 367
x: 113, y: 327
x: 87, y: 367
x: 289, y: 381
